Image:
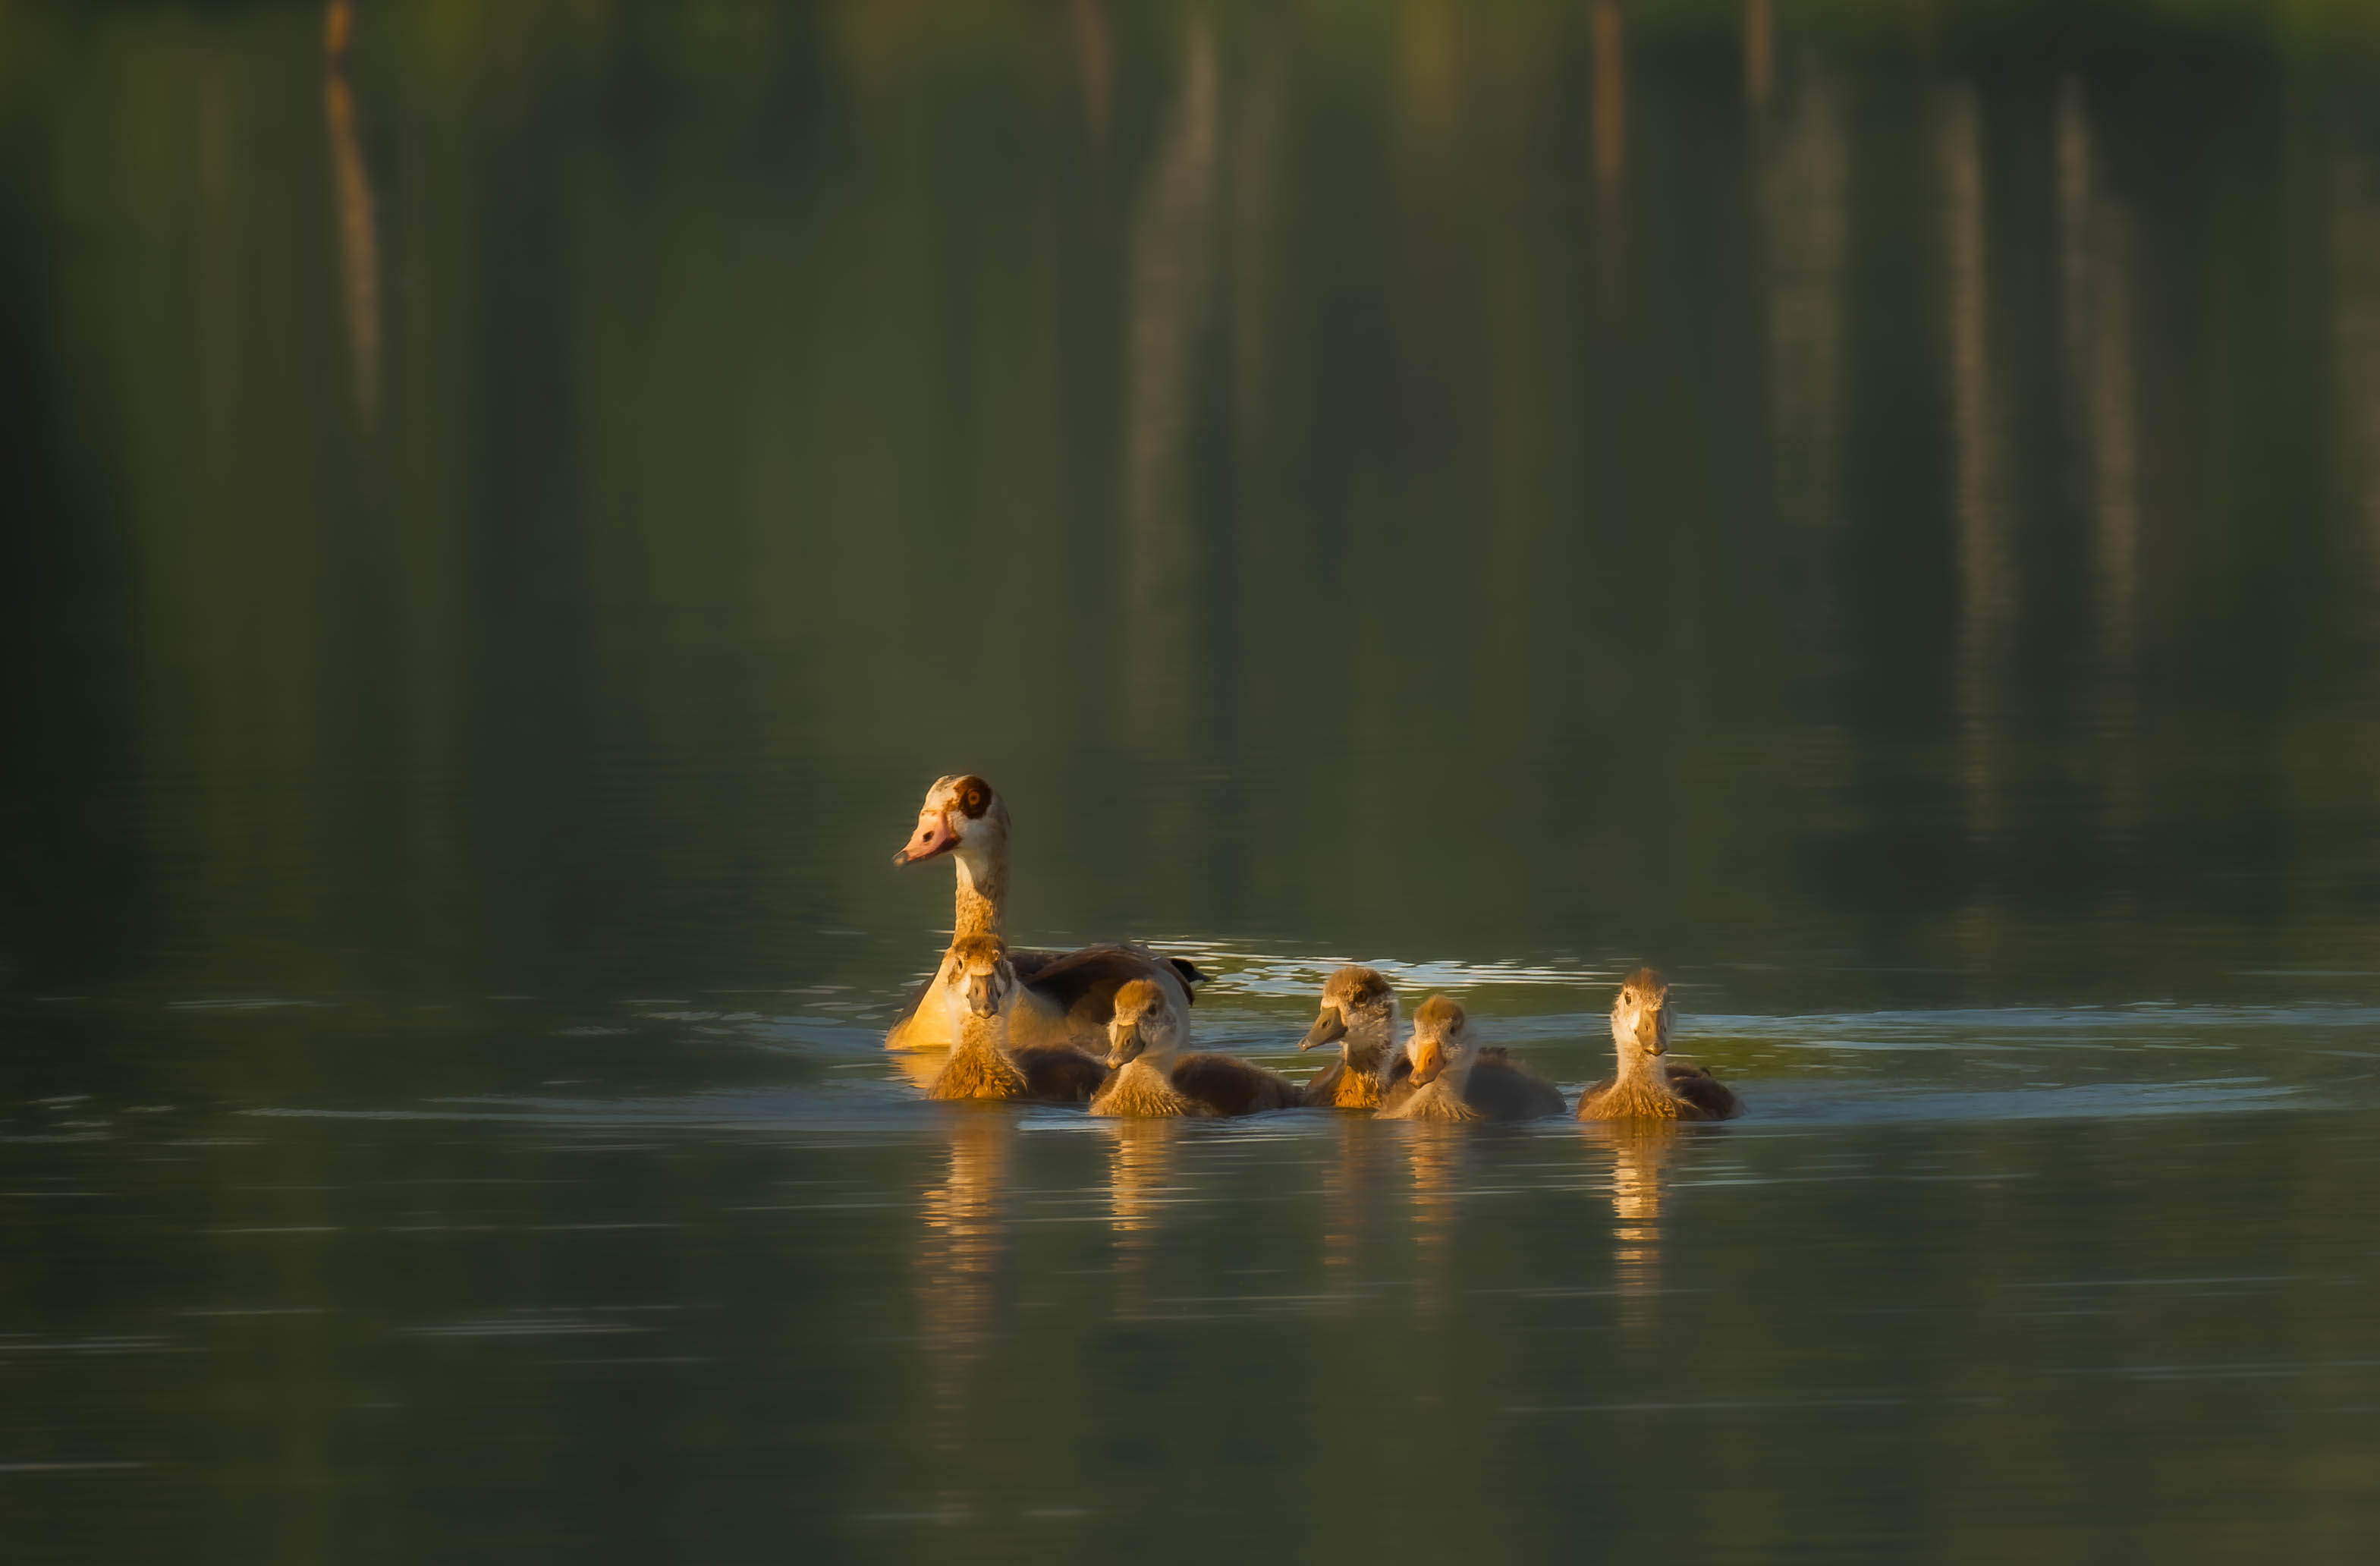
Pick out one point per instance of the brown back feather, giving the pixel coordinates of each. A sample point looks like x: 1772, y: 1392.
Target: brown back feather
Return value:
x: 1055, y: 1074
x: 1502, y: 1088
x: 1704, y: 1091
x: 1083, y: 984
x: 1230, y: 1085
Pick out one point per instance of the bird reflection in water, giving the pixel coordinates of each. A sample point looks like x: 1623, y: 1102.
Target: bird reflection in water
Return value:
x: 358, y: 230
x: 1351, y: 1181
x: 1640, y: 1149
x: 1140, y: 1183
x: 1436, y: 1158
x: 920, y: 1066
x: 963, y: 1251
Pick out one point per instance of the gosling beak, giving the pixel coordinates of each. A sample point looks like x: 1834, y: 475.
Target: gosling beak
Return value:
x: 933, y: 837
x: 982, y: 1000
x: 1124, y: 1046
x: 1328, y: 1029
x: 1429, y: 1059
x: 1648, y: 1030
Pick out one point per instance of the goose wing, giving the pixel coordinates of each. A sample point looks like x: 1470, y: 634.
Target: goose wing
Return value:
x: 1230, y: 1085
x: 1703, y: 1090
x: 1058, y: 1075
x: 1083, y: 983
x: 1502, y: 1088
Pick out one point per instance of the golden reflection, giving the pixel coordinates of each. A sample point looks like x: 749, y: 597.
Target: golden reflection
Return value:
x: 358, y: 231
x: 1095, y: 51
x: 1253, y: 286
x: 1803, y: 165
x: 1640, y: 1149
x: 2095, y: 246
x: 1350, y: 1182
x: 962, y: 1252
x: 1759, y: 53
x: 1429, y: 64
x: 1170, y: 297
x: 2101, y: 341
x: 1169, y: 301
x: 1435, y: 1159
x: 1140, y: 1180
x: 920, y: 1066
x: 1610, y: 105
x: 1978, y: 467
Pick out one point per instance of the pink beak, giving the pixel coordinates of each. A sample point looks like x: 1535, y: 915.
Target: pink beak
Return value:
x: 933, y: 837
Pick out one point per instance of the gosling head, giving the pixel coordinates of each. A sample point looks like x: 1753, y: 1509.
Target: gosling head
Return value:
x: 1642, y: 1015
x: 1440, y: 1042
x: 961, y: 813
x: 982, y: 975
x: 1359, y: 1013
x: 1145, y: 1026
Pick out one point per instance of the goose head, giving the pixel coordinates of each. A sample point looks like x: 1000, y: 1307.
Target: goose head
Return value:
x: 1145, y: 1026
x: 962, y: 815
x: 1442, y: 1044
x: 982, y: 975
x: 1641, y: 1016
x: 1359, y: 1014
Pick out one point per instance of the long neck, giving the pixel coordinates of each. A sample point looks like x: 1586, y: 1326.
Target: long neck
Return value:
x: 982, y: 889
x: 1635, y: 1065
x: 1641, y: 1086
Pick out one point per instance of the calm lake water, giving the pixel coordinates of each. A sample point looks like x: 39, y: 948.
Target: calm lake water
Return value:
x: 1880, y: 518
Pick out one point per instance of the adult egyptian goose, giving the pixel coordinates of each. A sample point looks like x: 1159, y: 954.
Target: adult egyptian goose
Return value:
x: 1648, y: 1087
x: 1066, y: 996
x: 1150, y: 1076
x: 983, y: 1064
x: 1454, y: 1078
x: 1359, y: 1014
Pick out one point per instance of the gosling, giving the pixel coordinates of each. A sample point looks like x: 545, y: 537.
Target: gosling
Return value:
x: 1359, y: 1014
x: 1148, y: 1077
x: 1648, y: 1087
x: 1454, y: 1079
x: 982, y: 1066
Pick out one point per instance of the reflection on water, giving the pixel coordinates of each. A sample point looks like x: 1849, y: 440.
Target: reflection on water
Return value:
x: 1171, y: 300
x: 1638, y: 1153
x: 1140, y: 1183
x: 1354, y: 1206
x: 1979, y: 484
x: 1436, y: 1161
x: 858, y: 1315
x: 1884, y: 525
x: 962, y: 1253
x: 359, y: 236
x: 1611, y: 114
x: 1759, y: 53
x: 1976, y: 608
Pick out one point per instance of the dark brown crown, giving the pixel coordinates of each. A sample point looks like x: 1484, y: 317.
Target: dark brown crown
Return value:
x: 1440, y: 1013
x: 1360, y: 986
x: 1645, y: 984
